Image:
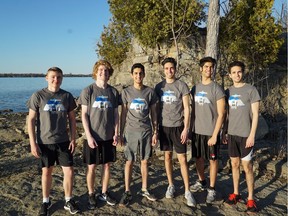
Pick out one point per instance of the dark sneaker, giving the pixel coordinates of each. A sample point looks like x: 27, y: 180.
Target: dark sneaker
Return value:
x: 125, y: 199
x: 146, y: 194
x: 71, y: 207
x: 44, y: 211
x: 233, y: 199
x: 198, y: 187
x: 251, y: 206
x: 92, y: 203
x: 107, y: 198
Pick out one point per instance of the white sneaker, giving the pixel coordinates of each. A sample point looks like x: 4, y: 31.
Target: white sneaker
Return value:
x: 211, y: 196
x: 190, y: 199
x: 170, y: 192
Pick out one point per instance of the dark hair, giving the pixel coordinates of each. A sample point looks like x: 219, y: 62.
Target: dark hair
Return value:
x: 207, y: 59
x: 170, y: 60
x: 98, y: 64
x: 236, y: 63
x: 55, y: 69
x: 137, y: 65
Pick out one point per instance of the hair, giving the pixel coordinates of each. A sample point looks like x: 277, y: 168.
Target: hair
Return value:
x: 170, y: 60
x: 236, y: 63
x: 137, y: 65
x: 55, y: 69
x: 207, y: 59
x: 98, y: 64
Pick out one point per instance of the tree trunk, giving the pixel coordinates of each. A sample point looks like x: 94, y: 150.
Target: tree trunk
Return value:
x: 212, y: 29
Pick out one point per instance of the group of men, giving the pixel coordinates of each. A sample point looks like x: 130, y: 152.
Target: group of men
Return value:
x: 170, y: 113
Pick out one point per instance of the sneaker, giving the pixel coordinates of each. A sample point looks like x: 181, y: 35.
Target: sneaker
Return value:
x: 170, y: 192
x: 211, y: 196
x: 107, y: 198
x: 146, y: 194
x: 125, y: 199
x: 92, y: 202
x: 198, y: 187
x: 233, y: 199
x: 190, y: 199
x: 45, y: 208
x: 251, y: 206
x: 71, y: 207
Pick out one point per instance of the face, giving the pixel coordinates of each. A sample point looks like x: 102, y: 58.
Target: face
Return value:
x: 207, y: 70
x: 169, y: 70
x: 236, y: 74
x: 138, y: 75
x: 103, y: 73
x: 54, y: 79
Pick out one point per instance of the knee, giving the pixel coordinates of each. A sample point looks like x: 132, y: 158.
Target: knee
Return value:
x: 248, y: 167
x: 235, y: 164
x: 168, y: 156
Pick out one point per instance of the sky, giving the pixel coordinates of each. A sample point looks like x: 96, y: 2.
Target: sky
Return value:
x: 38, y: 34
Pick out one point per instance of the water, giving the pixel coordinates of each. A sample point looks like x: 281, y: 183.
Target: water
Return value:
x: 14, y: 92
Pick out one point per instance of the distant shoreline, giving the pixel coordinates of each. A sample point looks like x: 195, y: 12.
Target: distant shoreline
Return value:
x: 12, y: 75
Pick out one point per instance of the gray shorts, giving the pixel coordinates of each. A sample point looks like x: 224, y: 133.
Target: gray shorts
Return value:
x: 138, y: 143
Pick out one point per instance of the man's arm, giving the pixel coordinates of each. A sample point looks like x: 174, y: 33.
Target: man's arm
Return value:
x: 85, y: 122
x: 31, y: 132
x: 255, y: 115
x: 72, y: 126
x: 154, y: 118
x: 116, y: 126
x: 124, y: 110
x: 186, y: 105
x: 221, y: 114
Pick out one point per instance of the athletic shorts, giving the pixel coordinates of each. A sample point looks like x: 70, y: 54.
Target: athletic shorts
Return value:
x: 170, y: 137
x: 200, y: 148
x: 104, y: 153
x: 59, y: 153
x: 138, y: 143
x: 236, y: 148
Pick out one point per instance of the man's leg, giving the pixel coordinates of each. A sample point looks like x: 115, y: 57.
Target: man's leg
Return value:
x: 46, y: 181
x: 169, y: 166
x: 235, y: 163
x: 105, y: 177
x: 68, y: 181
x: 184, y: 170
x: 144, y: 173
x: 200, y: 168
x: 128, y: 174
x: 213, y: 172
x: 248, y: 168
x: 90, y: 178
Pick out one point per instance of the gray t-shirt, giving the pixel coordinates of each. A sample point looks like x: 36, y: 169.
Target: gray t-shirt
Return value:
x: 52, y: 109
x: 139, y: 103
x: 240, y: 113
x: 101, y: 104
x: 205, y: 99
x: 171, y: 102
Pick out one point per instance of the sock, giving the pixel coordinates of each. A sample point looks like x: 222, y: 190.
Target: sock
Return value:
x: 144, y: 189
x: 45, y: 199
x: 67, y: 199
x: 203, y: 182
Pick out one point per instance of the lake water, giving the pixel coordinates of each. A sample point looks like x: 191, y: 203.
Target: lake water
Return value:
x: 14, y: 92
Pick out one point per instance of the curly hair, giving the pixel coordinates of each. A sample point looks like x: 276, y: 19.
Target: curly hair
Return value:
x: 98, y: 64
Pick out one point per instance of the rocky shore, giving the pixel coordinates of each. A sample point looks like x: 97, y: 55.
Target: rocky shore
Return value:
x: 20, y: 179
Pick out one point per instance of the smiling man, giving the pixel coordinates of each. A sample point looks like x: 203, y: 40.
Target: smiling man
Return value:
x: 138, y: 104
x: 99, y: 104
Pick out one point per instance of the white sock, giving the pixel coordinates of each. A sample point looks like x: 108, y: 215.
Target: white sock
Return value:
x: 67, y: 199
x: 45, y: 199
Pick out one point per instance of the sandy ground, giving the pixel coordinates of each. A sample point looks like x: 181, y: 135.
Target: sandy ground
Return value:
x: 20, y: 183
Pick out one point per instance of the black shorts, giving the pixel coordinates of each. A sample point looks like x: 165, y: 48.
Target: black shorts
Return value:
x: 59, y: 153
x: 200, y: 148
x: 236, y: 148
x: 170, y: 137
x: 104, y: 153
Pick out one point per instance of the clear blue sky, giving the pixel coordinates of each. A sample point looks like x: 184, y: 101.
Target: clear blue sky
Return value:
x: 38, y: 34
